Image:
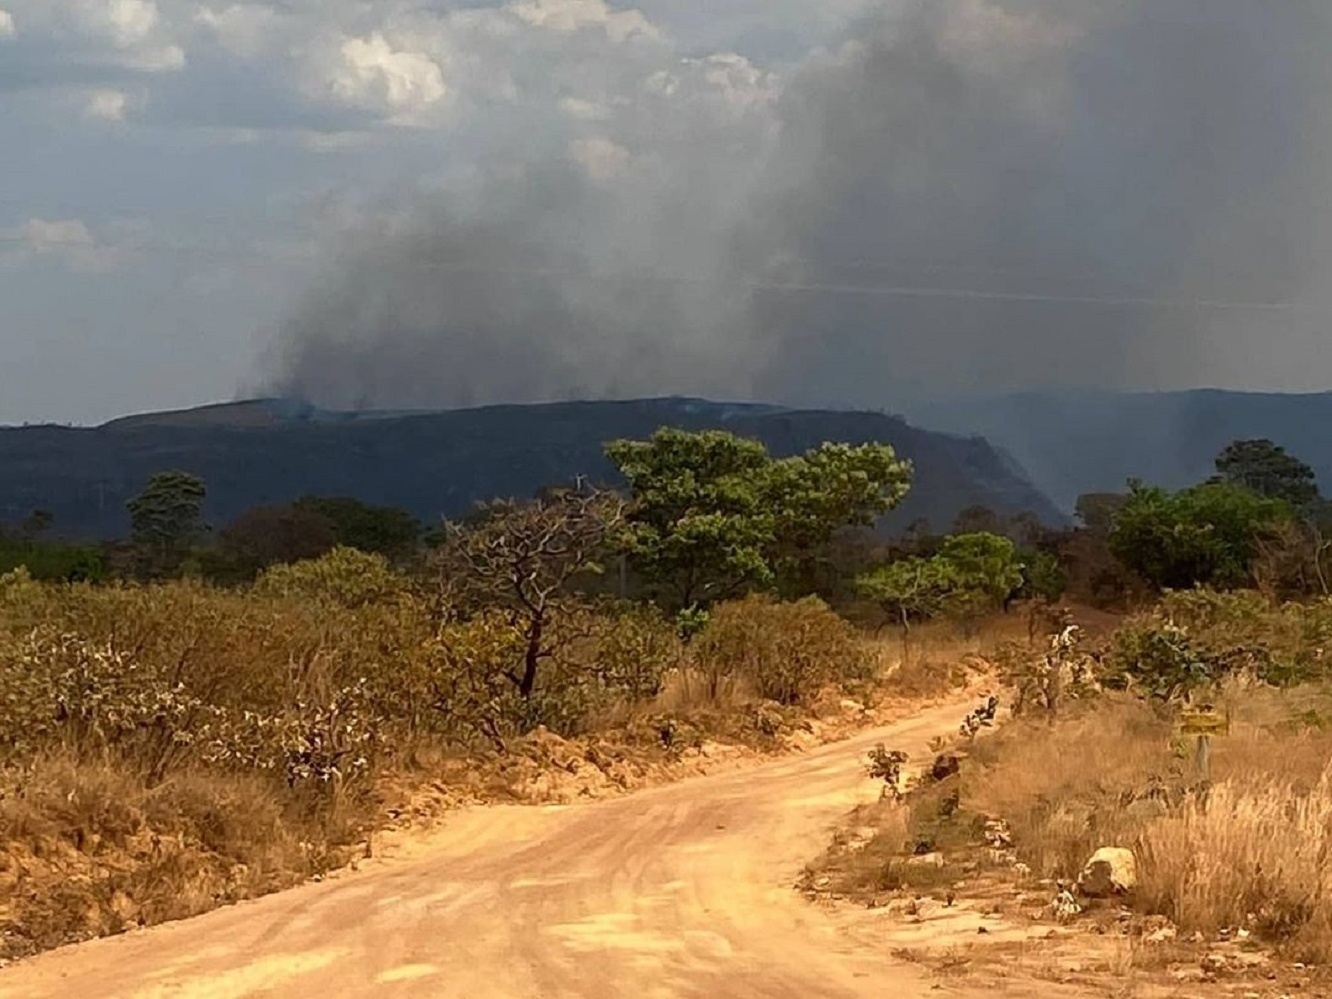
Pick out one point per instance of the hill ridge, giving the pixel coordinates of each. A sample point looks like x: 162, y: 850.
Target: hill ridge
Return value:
x: 441, y: 463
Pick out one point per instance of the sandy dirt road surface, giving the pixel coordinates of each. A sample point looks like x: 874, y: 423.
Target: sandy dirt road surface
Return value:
x: 680, y: 891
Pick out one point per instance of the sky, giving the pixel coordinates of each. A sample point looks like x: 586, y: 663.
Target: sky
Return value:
x: 400, y: 203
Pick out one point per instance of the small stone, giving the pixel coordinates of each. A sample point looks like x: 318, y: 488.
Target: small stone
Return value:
x: 1111, y: 871
x: 926, y: 860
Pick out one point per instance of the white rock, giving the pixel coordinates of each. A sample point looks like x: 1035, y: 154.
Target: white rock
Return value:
x: 1112, y: 870
x: 926, y: 860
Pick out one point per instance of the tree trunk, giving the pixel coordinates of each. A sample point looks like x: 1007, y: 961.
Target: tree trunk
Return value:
x: 532, y: 658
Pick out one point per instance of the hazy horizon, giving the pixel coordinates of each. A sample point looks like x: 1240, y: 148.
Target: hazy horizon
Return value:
x: 871, y: 204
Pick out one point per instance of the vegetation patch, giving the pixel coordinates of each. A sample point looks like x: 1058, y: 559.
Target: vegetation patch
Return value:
x: 1171, y: 781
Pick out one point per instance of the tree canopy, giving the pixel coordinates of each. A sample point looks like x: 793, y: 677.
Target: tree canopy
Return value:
x: 166, y: 519
x: 524, y: 558
x: 970, y: 573
x: 386, y: 530
x: 714, y: 515
x: 1266, y: 469
x: 1206, y: 535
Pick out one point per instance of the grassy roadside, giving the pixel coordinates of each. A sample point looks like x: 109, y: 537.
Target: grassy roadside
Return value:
x: 168, y: 750
x: 1230, y: 848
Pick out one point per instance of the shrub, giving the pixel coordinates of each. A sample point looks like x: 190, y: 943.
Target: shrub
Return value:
x: 347, y: 577
x: 632, y: 651
x: 787, y: 651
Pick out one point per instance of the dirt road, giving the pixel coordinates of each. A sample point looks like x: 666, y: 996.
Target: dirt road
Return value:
x: 682, y: 891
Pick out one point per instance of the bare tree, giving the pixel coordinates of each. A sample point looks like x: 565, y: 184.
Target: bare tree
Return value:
x: 524, y: 558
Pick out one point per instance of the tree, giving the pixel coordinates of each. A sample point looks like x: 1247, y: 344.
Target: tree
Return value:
x: 1266, y: 469
x: 386, y: 530
x: 272, y: 535
x: 1206, y: 535
x: 975, y: 519
x: 166, y: 519
x: 698, y: 528
x: 51, y: 560
x: 986, y: 567
x: 814, y: 495
x: 1097, y: 511
x: 1043, y: 577
x: 970, y: 574
x: 524, y: 558
x: 910, y: 589
x: 714, y: 515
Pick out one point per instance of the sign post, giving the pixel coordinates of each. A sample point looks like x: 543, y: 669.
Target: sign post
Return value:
x: 1204, y: 722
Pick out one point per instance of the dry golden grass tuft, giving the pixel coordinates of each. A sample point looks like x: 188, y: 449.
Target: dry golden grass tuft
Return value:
x: 1246, y: 848
x: 1236, y: 839
x: 86, y: 849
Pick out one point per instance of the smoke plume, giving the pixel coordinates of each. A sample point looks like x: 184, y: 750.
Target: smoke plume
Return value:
x: 965, y: 195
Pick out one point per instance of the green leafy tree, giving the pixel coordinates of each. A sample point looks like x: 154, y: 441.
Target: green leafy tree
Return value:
x: 971, y: 574
x: 699, y: 529
x: 1207, y: 535
x: 386, y: 530
x: 52, y: 560
x: 814, y: 495
x: 714, y: 515
x: 166, y: 520
x: 1266, y: 469
x: 911, y: 589
x: 1043, y: 577
x: 986, y: 566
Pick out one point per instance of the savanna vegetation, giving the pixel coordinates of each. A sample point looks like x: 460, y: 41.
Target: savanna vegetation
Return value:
x: 196, y: 717
x: 196, y: 714
x: 1191, y: 737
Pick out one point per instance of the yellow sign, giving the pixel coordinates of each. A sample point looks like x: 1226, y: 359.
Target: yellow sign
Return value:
x: 1204, y: 722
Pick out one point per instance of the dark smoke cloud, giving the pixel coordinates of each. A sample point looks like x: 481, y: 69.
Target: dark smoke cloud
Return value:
x: 968, y: 195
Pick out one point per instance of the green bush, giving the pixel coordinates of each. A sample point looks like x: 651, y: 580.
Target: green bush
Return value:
x: 787, y: 652
x: 1197, y: 638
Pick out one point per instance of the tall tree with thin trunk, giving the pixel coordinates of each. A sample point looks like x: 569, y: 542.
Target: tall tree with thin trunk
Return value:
x: 166, y: 519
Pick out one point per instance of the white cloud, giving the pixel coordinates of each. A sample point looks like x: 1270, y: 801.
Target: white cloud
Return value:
x: 374, y: 73
x: 131, y: 33
x: 243, y: 29
x: 129, y: 21
x: 567, y: 16
x: 7, y: 27
x: 600, y: 157
x: 70, y: 241
x: 108, y: 105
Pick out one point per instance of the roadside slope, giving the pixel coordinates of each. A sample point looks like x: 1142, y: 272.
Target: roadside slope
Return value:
x: 682, y: 891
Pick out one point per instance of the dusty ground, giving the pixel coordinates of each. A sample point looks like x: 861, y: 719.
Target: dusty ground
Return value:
x: 680, y: 891
x: 684, y: 890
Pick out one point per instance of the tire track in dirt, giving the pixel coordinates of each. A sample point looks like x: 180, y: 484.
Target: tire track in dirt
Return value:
x: 680, y: 891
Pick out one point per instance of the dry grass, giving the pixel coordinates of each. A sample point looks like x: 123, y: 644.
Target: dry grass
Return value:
x: 1243, y: 841
x: 1248, y: 848
x: 165, y: 749
x: 1246, y: 855
x: 87, y: 850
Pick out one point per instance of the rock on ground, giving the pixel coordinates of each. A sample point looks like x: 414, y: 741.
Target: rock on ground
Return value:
x: 1111, y: 871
